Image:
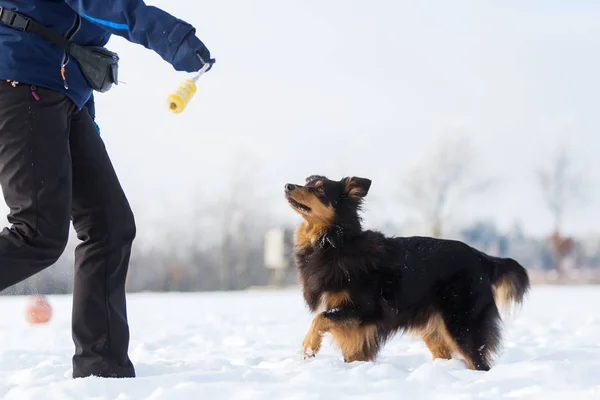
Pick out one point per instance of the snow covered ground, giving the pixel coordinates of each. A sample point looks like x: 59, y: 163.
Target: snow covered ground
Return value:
x: 245, y: 346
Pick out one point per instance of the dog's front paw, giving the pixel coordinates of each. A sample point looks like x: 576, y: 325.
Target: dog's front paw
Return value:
x: 308, y: 353
x: 311, y: 345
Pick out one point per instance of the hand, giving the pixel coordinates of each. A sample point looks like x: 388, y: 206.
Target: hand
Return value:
x: 205, y: 57
x: 192, y: 55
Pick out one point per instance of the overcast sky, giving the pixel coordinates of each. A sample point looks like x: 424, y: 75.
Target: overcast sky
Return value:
x: 346, y: 87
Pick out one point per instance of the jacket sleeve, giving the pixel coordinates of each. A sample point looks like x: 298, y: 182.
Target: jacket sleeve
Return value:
x: 137, y: 22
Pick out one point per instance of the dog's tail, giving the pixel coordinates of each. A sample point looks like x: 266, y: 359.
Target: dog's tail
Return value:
x: 510, y: 282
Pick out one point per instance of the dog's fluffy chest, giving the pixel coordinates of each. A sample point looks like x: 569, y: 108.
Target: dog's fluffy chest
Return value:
x: 320, y: 276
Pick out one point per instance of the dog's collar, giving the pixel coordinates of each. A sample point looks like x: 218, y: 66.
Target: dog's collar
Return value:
x: 333, y: 237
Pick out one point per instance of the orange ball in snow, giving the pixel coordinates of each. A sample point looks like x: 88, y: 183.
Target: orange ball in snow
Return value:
x: 38, y: 310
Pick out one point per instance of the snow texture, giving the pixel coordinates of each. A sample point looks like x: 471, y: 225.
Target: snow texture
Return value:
x: 246, y: 345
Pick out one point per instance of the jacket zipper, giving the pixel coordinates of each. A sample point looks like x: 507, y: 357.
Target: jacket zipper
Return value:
x: 65, y: 60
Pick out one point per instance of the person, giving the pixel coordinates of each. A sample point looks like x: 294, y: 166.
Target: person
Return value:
x: 54, y: 167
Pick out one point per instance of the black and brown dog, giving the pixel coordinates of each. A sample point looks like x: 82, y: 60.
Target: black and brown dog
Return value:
x: 366, y: 287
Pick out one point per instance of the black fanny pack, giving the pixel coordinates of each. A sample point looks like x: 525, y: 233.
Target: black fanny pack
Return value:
x: 99, y: 65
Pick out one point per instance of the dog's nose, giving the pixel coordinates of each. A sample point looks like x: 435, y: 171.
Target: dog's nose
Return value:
x: 289, y: 187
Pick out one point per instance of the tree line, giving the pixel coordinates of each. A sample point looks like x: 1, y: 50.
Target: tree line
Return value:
x: 227, y: 252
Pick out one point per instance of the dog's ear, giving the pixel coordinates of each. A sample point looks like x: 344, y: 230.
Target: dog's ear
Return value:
x: 356, y: 187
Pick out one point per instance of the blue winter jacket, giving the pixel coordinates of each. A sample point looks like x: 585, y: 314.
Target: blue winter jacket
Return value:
x: 29, y: 58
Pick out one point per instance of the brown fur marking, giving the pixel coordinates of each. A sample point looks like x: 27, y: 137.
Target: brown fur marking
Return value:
x: 333, y: 300
x: 307, y: 234
x: 437, y: 344
x: 321, y: 325
x: 439, y: 341
x: 353, y: 190
x: 356, y: 342
x: 504, y: 293
x: 311, y: 178
x: 313, y: 338
x: 319, y: 213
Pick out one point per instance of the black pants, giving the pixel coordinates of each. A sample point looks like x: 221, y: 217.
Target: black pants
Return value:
x: 54, y: 167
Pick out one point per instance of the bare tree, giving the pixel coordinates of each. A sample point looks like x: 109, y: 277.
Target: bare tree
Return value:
x: 446, y: 175
x: 561, y: 187
x: 236, y: 218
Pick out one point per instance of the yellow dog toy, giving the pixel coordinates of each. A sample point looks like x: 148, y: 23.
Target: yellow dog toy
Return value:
x: 180, y: 97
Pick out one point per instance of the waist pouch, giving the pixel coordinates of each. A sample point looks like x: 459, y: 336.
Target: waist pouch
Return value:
x: 99, y: 65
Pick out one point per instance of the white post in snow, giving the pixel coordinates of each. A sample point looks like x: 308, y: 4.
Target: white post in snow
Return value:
x: 277, y: 254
